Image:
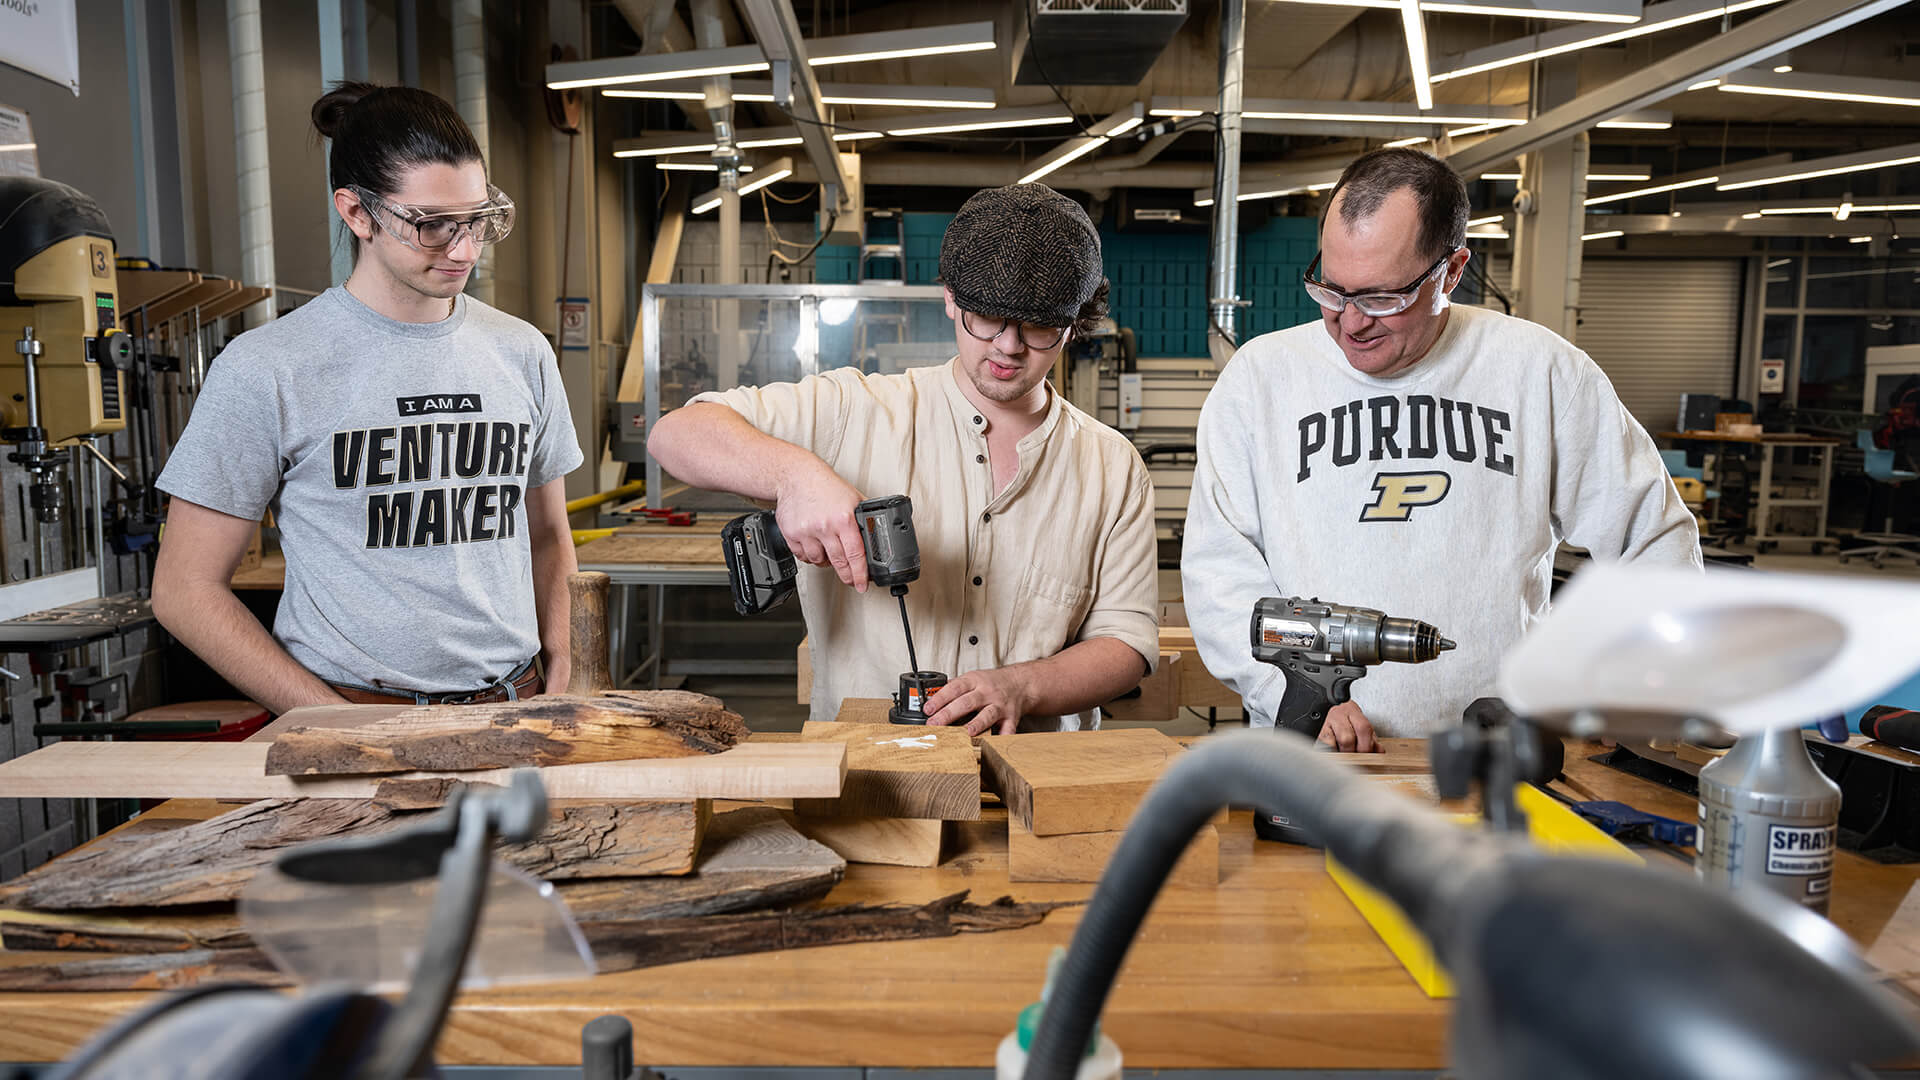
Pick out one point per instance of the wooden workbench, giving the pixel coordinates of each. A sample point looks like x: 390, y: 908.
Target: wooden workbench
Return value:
x: 1273, y: 969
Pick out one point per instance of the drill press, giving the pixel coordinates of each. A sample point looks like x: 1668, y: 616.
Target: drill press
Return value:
x: 61, y: 369
x: 761, y: 568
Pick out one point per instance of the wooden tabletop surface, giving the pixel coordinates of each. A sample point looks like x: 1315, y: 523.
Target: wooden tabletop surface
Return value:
x: 1272, y: 969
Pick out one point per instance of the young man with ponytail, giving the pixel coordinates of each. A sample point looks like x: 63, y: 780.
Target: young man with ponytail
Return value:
x: 410, y: 440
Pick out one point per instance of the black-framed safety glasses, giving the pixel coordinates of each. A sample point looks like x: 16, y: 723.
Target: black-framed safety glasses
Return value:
x: 425, y: 228
x: 1040, y: 338
x: 1374, y: 303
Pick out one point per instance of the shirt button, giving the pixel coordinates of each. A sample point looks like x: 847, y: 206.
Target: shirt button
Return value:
x: 977, y: 420
x: 976, y: 581
x: 979, y: 459
x: 986, y: 517
x: 973, y: 640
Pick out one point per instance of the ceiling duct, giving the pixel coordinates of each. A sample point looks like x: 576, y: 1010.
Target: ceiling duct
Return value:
x: 1092, y: 42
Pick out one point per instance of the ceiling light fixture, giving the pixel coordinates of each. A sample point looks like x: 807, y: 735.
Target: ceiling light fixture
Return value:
x: 1657, y: 189
x: 742, y: 59
x: 1789, y: 83
x: 694, y: 166
x: 1415, y: 28
x: 1814, y: 168
x: 1654, y: 19
x: 905, y: 97
x: 772, y: 174
x: 1109, y: 127
x: 1607, y: 235
x: 1592, y: 12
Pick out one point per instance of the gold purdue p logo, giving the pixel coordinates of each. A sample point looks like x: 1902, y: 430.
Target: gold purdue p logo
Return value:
x: 1396, y: 494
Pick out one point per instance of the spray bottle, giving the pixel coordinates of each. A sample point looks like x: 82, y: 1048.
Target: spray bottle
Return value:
x: 1102, y: 1058
x: 1769, y: 819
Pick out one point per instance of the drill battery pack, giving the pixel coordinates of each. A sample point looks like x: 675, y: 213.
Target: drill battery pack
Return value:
x: 760, y: 566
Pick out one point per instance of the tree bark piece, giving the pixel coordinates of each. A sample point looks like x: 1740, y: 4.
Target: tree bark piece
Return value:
x: 900, y: 771
x: 552, y: 729
x: 180, y: 770
x: 881, y: 840
x: 617, y: 946
x: 752, y: 858
x: 1076, y: 781
x: 212, y: 861
x: 429, y: 793
x: 1084, y: 857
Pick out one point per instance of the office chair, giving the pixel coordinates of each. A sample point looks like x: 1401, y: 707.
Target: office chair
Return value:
x: 1887, y: 544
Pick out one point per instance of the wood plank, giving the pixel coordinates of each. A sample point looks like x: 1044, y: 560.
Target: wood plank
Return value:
x: 856, y: 710
x: 1156, y: 699
x: 139, y: 288
x: 553, y: 729
x: 1084, y: 856
x: 156, y: 770
x: 882, y: 840
x: 617, y: 946
x: 621, y: 548
x: 1075, y: 781
x: 902, y: 771
x: 213, y: 860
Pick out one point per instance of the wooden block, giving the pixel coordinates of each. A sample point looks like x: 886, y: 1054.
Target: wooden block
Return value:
x: 803, y: 673
x: 181, y: 770
x: 685, y: 550
x: 751, y: 858
x: 1084, y: 856
x: 889, y: 841
x: 1075, y: 781
x: 902, y: 771
x: 1156, y: 700
x: 552, y: 729
x: 862, y: 710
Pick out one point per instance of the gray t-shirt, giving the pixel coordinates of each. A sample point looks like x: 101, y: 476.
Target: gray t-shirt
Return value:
x: 396, y: 458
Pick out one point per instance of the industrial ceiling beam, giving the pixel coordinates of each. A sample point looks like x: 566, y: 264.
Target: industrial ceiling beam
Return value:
x: 796, y: 91
x: 1777, y: 31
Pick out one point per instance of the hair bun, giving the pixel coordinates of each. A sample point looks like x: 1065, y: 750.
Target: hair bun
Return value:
x: 333, y: 105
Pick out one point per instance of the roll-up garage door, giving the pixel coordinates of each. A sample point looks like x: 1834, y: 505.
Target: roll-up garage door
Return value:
x: 1660, y: 328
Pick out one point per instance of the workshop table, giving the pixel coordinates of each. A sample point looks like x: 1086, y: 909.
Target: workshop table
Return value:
x: 1764, y: 502
x: 1273, y: 969
x: 655, y: 556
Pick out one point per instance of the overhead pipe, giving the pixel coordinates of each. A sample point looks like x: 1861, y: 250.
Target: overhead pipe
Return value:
x: 1223, y: 299
x: 470, y: 97
x: 245, y: 56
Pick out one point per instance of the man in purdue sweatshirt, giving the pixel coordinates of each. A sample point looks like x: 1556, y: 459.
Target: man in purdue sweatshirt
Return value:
x: 1409, y: 456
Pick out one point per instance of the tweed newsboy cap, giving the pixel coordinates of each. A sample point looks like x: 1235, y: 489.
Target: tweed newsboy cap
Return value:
x: 1023, y: 252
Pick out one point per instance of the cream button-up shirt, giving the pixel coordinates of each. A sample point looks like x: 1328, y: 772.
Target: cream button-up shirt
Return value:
x: 1064, y: 554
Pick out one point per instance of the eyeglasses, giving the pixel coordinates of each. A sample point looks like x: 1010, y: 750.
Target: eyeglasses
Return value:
x: 1376, y: 304
x: 1040, y: 338
x: 436, y: 229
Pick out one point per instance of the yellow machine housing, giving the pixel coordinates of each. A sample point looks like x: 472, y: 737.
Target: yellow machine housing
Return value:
x: 69, y: 295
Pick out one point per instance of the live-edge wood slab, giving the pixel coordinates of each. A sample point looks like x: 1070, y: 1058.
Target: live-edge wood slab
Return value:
x: 552, y: 729
x: 157, y: 770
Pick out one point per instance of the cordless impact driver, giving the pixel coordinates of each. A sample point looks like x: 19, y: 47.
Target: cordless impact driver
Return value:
x: 761, y: 568
x: 1322, y: 648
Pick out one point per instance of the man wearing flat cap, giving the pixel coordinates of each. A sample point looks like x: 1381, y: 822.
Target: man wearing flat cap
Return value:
x: 1037, y: 588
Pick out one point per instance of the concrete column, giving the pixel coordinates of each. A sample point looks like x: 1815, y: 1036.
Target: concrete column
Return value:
x: 250, y: 151
x: 1551, y: 215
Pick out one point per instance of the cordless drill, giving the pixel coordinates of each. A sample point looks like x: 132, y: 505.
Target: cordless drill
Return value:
x: 1322, y: 648
x: 761, y: 569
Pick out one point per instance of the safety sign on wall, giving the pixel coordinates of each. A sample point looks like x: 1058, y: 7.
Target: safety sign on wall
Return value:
x: 18, y: 153
x: 42, y: 37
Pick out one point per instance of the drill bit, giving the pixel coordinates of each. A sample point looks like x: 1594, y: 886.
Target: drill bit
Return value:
x: 900, y: 593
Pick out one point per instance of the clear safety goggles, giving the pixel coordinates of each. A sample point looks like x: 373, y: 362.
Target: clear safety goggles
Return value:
x: 1375, y: 304
x: 1039, y: 338
x: 432, y: 228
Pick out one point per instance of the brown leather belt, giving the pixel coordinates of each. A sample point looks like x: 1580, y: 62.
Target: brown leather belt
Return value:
x: 527, y: 685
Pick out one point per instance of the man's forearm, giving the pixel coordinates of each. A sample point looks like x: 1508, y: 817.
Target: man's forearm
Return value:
x: 710, y: 446
x: 221, y: 631
x: 1081, y: 676
x: 553, y: 563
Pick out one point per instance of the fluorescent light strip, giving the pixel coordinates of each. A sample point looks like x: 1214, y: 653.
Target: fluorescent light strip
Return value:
x: 1448, y: 8
x: 1678, y: 185
x: 1653, y: 21
x: 1496, y: 234
x: 1416, y: 31
x: 1859, y: 239
x: 1858, y: 208
x: 663, y: 151
x: 1706, y: 84
x: 1843, y: 211
x: 1591, y: 177
x: 982, y: 125
x: 1851, y: 163
x: 1074, y: 154
x: 694, y: 166
x: 675, y: 75
x: 899, y: 54
x: 780, y: 171
x: 1488, y: 220
x: 1401, y: 143
x: 1779, y: 91
x: 744, y: 59
x: 10, y: 147
x: 1783, y: 69
x: 1607, y: 235
x: 830, y: 99
x: 761, y: 144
